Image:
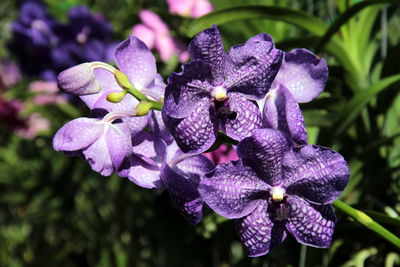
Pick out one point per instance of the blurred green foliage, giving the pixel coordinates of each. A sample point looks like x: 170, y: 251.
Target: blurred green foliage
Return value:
x: 55, y: 211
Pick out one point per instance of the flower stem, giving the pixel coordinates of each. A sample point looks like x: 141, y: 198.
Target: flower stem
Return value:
x: 140, y: 96
x: 367, y: 221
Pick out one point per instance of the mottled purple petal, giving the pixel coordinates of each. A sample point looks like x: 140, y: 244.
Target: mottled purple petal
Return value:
x: 197, y: 132
x: 264, y: 151
x: 194, y: 168
x: 207, y: 46
x: 98, y: 156
x: 78, y: 134
x: 310, y: 224
x: 233, y: 190
x: 258, y: 233
x: 244, y: 119
x: 283, y: 113
x: 136, y: 61
x: 119, y: 143
x: 316, y: 173
x: 303, y: 74
x: 262, y: 37
x: 250, y: 68
x: 186, y: 88
x: 184, y: 194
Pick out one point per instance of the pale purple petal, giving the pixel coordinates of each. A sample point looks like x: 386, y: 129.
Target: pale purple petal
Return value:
x: 264, y: 151
x: 136, y: 61
x: 98, y: 156
x: 136, y: 124
x: 119, y: 143
x: 310, y: 224
x: 303, y: 74
x: 151, y: 149
x: 184, y: 194
x: 107, y: 83
x: 207, y: 46
x: 195, y: 168
x: 197, y: 132
x: 244, y: 118
x: 250, y: 68
x: 258, y: 233
x: 283, y: 113
x: 144, y: 174
x: 78, y: 134
x: 186, y: 89
x: 316, y: 173
x: 233, y: 190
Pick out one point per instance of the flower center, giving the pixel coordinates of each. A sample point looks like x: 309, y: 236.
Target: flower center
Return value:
x: 277, y: 193
x: 219, y: 93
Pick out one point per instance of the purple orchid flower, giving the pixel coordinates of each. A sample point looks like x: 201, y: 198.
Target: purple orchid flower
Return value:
x: 156, y: 163
x: 217, y: 90
x: 103, y: 144
x: 301, y: 77
x: 277, y: 188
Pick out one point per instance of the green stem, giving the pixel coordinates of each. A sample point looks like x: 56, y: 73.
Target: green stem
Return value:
x: 140, y: 96
x: 367, y: 221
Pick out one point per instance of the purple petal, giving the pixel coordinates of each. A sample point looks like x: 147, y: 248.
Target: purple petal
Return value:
x: 245, y: 118
x: 79, y: 80
x: 310, y: 224
x: 98, y: 156
x: 258, y: 233
x: 107, y: 83
x: 233, y: 190
x: 194, y: 168
x: 78, y: 134
x: 144, y: 174
x: 262, y: 37
x: 250, y: 68
x: 207, y: 46
x: 283, y: 113
x: 197, y: 132
x: 119, y: 143
x: 303, y: 74
x: 151, y: 149
x: 136, y: 61
x: 184, y: 194
x: 264, y: 151
x: 186, y: 88
x: 316, y: 173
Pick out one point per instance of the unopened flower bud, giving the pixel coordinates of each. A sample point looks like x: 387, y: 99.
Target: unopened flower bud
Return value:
x: 116, y: 97
x: 122, y: 79
x: 79, y: 80
x: 143, y: 108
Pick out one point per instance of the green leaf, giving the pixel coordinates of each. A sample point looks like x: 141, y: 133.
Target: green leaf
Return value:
x: 346, y: 16
x: 296, y: 17
x: 358, y: 102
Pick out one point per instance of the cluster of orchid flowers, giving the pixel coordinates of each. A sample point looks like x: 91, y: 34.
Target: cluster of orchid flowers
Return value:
x: 156, y: 134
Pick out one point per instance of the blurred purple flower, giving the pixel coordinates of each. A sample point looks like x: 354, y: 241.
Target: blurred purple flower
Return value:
x: 10, y: 114
x: 222, y: 154
x: 190, y: 8
x: 301, y: 77
x: 46, y: 92
x: 277, y: 188
x: 156, y: 34
x: 217, y: 90
x: 35, y: 123
x: 9, y: 74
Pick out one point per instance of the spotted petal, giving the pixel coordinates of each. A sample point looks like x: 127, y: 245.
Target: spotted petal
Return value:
x: 78, y: 134
x: 233, y: 190
x: 310, y: 224
x: 136, y: 61
x: 258, y: 233
x: 264, y: 151
x: 244, y: 118
x: 250, y: 68
x: 207, y: 46
x: 303, y: 74
x: 197, y: 132
x: 184, y: 194
x: 283, y: 113
x: 316, y: 173
x: 186, y: 88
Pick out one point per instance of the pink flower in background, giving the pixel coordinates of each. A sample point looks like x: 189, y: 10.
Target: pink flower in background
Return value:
x: 222, y: 154
x: 190, y: 8
x: 35, y: 124
x: 47, y: 92
x: 9, y: 74
x: 156, y: 34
